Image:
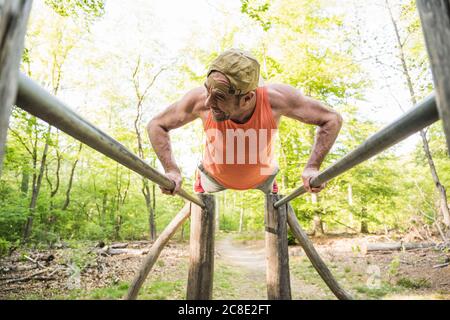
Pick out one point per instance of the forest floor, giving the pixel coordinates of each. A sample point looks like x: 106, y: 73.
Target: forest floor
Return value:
x: 84, y: 271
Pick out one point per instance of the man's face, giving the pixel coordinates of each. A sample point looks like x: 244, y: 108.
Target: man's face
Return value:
x: 222, y: 104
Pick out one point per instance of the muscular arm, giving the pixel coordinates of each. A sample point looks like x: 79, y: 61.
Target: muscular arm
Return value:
x: 289, y: 102
x: 176, y: 115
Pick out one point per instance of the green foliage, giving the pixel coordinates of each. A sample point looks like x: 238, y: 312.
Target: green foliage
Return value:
x: 89, y: 8
x: 413, y: 283
x: 256, y: 11
x: 377, y: 293
x: 116, y: 292
x: 394, y: 267
x: 291, y: 238
x: 5, y: 245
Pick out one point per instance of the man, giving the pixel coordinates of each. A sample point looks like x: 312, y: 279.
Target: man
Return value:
x: 240, y: 120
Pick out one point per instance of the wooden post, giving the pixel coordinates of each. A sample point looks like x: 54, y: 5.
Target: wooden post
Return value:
x: 277, y: 255
x: 314, y: 257
x: 13, y: 21
x: 155, y: 251
x: 201, y: 262
x: 435, y: 17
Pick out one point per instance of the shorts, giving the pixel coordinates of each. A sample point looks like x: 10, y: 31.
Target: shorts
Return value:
x: 204, y: 182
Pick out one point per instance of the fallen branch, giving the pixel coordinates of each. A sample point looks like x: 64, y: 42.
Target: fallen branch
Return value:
x: 118, y: 245
x: 23, y: 279
x: 106, y: 250
x: 395, y: 246
x: 16, y: 268
x: 38, y: 264
x: 112, y: 251
x: 441, y: 265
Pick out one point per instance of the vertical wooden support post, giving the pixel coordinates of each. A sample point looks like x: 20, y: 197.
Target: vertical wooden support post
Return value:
x: 201, y: 262
x: 435, y: 17
x: 277, y: 255
x: 13, y: 21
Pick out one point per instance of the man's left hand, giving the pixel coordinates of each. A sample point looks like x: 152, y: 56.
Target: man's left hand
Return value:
x: 309, y: 174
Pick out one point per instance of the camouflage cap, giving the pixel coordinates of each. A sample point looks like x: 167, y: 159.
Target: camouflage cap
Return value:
x: 241, y: 69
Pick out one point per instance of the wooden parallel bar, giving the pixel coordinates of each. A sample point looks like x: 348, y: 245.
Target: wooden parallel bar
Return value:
x: 13, y: 21
x: 435, y: 17
x: 34, y: 99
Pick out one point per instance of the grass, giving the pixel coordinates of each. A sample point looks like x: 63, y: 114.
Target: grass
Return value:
x: 248, y: 236
x: 235, y: 283
x: 413, y: 283
x: 352, y: 281
x: 379, y: 292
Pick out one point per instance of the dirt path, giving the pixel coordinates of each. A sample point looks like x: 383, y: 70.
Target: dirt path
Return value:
x: 250, y: 261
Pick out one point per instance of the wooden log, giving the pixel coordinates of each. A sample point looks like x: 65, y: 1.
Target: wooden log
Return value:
x: 155, y: 251
x: 26, y: 278
x: 435, y: 17
x: 118, y: 245
x: 314, y: 257
x: 442, y: 265
x: 13, y: 20
x: 394, y: 246
x: 277, y: 254
x: 137, y: 252
x: 201, y: 261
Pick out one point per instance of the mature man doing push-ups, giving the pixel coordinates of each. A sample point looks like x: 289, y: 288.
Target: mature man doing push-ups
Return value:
x: 240, y: 119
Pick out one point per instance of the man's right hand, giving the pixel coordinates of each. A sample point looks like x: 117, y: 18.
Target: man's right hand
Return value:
x: 175, y: 176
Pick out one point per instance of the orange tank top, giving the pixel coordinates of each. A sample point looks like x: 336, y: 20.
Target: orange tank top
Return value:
x: 241, y: 156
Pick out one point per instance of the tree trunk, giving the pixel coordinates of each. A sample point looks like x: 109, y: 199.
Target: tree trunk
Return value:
x: 103, y: 210
x: 117, y: 226
x: 443, y: 205
x: 25, y: 181
x: 72, y: 174
x: 224, y: 205
x: 217, y: 215
x: 241, y: 217
x: 141, y: 94
x: 350, y: 203
x: 148, y: 203
x: 317, y: 220
x: 36, y: 189
x: 364, y: 226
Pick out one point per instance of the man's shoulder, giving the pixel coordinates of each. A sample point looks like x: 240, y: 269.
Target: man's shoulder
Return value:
x: 279, y: 94
x: 195, y: 98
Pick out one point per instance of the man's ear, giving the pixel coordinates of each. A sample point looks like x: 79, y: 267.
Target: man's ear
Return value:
x: 249, y: 96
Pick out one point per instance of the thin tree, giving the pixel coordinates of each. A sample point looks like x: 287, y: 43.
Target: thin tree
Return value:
x: 443, y: 206
x: 141, y: 94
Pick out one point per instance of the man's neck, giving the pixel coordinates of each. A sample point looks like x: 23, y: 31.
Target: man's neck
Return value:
x: 246, y: 114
